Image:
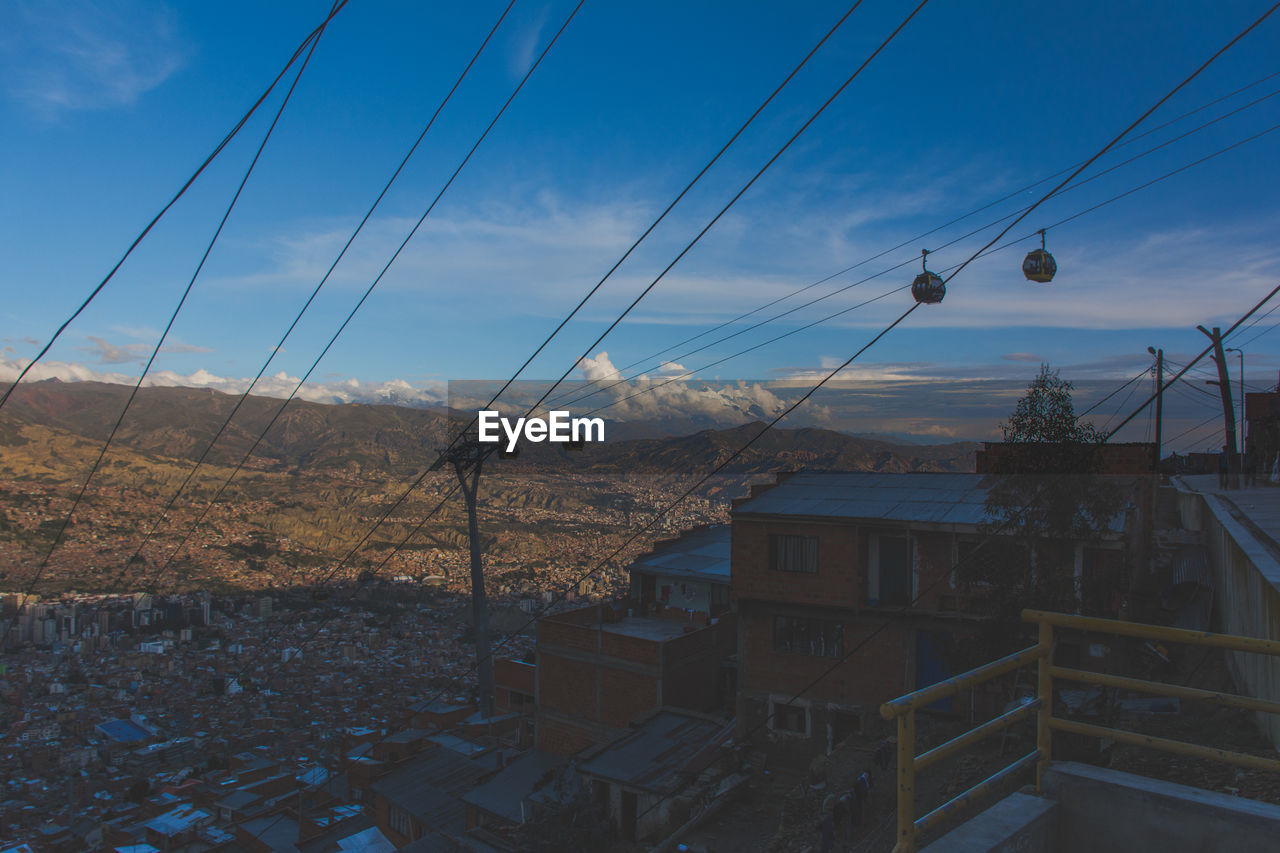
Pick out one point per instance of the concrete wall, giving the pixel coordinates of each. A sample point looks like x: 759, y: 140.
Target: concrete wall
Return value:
x: 1099, y: 810
x: 1247, y: 598
x: 684, y: 594
x: 1106, y: 811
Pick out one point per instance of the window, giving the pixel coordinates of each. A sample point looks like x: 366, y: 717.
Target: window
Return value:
x: 399, y: 820
x: 891, y: 579
x: 785, y: 717
x: 822, y: 638
x: 516, y: 699
x: 790, y: 553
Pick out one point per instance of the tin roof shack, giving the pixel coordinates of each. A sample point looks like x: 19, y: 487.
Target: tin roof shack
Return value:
x: 599, y: 668
x: 345, y: 834
x: 690, y: 572
x: 516, y: 794
x: 826, y: 561
x: 639, y: 778
x: 422, y: 795
x: 175, y: 829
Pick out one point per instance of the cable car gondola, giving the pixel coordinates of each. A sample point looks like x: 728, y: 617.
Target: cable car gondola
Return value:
x: 1039, y: 265
x: 928, y: 287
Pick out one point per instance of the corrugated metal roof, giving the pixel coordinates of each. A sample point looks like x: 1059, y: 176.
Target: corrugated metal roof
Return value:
x: 701, y: 554
x: 123, y: 731
x: 924, y: 498
x: 919, y: 498
x: 428, y: 786
x: 652, y: 756
x: 503, y: 794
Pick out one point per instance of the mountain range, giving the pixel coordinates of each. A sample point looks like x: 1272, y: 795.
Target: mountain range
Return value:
x: 396, y: 441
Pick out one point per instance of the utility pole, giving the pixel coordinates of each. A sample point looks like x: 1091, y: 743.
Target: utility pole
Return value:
x: 1228, y: 410
x: 467, y: 456
x: 1244, y: 444
x: 1159, y: 354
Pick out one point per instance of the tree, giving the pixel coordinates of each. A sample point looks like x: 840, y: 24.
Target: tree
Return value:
x: 1045, y: 499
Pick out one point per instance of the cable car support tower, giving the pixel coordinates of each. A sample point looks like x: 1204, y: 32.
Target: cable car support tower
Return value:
x: 467, y: 457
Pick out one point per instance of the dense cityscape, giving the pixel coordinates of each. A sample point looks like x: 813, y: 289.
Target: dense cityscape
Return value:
x: 588, y: 427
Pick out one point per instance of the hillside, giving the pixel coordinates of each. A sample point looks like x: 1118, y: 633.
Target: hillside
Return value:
x: 391, y: 440
x: 324, y: 474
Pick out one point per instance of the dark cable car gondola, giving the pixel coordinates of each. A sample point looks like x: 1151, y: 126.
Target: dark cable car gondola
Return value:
x: 928, y: 287
x: 1039, y: 265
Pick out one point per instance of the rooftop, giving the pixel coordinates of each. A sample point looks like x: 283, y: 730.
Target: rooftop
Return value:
x: 124, y: 731
x: 918, y: 498
x: 652, y: 757
x: 504, y: 794
x: 179, y: 820
x: 648, y: 628
x: 427, y: 786
x: 701, y: 554
x: 936, y: 498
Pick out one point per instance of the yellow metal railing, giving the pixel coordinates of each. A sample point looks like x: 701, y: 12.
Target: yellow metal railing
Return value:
x: 904, y: 710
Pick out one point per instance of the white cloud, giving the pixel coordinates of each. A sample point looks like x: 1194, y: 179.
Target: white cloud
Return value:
x: 668, y: 396
x: 393, y: 392
x: 108, y: 353
x: 533, y: 255
x: 525, y: 46
x: 175, y: 345
x: 536, y: 257
x: 66, y: 55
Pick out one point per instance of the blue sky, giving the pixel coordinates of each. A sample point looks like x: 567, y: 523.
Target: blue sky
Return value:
x: 108, y: 106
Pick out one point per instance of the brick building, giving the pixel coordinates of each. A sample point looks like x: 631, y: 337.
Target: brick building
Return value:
x: 600, y: 667
x: 1262, y: 413
x: 821, y: 562
x: 671, y: 645
x: 514, y: 687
